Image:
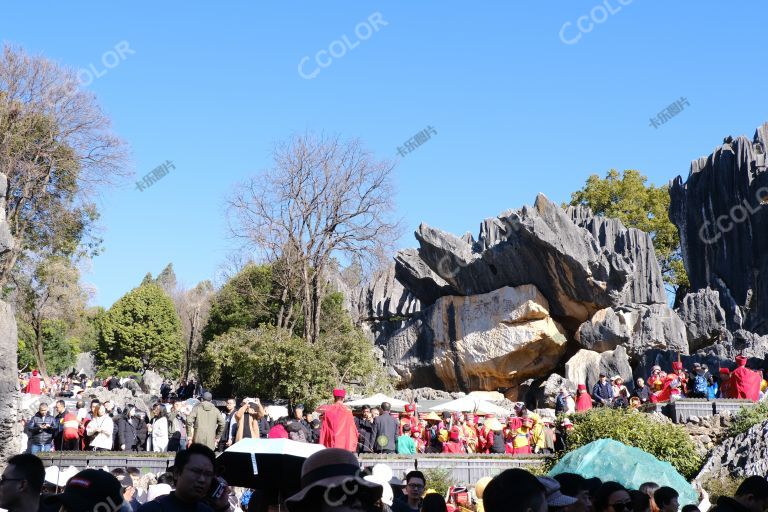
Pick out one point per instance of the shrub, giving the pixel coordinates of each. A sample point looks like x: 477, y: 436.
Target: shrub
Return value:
x: 665, y: 441
x: 438, y: 479
x: 746, y: 417
x: 725, y: 486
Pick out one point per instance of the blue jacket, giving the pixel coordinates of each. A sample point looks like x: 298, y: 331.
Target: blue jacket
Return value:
x: 602, y: 391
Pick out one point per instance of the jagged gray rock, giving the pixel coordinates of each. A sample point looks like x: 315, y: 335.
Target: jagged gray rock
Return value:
x: 545, y: 393
x: 636, y: 327
x: 743, y: 455
x: 586, y: 366
x: 721, y: 214
x: 542, y: 245
x: 646, y: 284
x: 386, y: 297
x: 704, y: 319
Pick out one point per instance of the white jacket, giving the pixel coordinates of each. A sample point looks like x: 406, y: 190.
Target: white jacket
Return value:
x: 104, y: 438
x: 160, y: 434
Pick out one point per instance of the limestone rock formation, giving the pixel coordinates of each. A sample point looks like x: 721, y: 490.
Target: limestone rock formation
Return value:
x: 721, y: 214
x: 9, y: 394
x: 636, y: 327
x: 586, y: 366
x: 386, y: 297
x: 704, y: 319
x: 478, y: 342
x: 545, y: 393
x: 741, y: 456
x: 578, y: 273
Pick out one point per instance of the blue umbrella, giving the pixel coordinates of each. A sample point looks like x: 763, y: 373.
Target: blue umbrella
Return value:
x: 611, y: 460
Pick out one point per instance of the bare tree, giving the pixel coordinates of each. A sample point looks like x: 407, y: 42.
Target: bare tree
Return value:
x: 57, y: 148
x: 323, y: 198
x: 193, y: 307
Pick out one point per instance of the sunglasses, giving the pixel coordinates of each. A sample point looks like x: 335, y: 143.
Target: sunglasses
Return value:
x: 621, y: 505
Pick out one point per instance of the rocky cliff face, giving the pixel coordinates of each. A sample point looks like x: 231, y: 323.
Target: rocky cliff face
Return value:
x: 593, y: 292
x: 721, y: 213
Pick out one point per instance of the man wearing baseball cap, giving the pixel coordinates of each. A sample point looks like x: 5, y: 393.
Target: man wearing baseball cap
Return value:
x: 555, y: 498
x: 91, y: 490
x: 338, y: 429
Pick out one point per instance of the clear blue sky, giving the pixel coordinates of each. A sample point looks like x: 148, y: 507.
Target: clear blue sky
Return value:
x: 212, y: 86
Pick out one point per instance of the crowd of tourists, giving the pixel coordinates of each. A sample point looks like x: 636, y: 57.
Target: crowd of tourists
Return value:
x: 333, y: 480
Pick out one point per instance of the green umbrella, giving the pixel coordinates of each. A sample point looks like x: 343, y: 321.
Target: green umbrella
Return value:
x: 611, y: 460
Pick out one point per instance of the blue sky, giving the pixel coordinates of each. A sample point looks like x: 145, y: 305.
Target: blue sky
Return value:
x: 519, y: 105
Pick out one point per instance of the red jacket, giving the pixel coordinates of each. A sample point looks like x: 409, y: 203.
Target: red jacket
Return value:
x: 33, y: 386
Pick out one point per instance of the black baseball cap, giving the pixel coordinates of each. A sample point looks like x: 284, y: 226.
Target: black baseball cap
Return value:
x: 91, y: 490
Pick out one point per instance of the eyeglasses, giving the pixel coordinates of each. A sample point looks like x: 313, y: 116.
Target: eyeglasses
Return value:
x: 621, y: 505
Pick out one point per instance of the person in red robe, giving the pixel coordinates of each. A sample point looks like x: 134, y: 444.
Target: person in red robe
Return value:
x: 725, y: 383
x: 656, y: 380
x: 33, y: 386
x: 583, y: 399
x: 454, y: 444
x: 410, y: 417
x: 744, y: 383
x: 338, y: 429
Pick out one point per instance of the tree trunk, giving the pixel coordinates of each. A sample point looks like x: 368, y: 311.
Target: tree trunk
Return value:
x: 10, y: 433
x: 38, y: 350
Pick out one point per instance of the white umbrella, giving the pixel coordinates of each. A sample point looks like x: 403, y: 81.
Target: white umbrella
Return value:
x: 471, y: 404
x: 376, y: 400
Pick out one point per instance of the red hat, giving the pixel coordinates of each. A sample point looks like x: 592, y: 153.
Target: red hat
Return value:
x: 410, y: 407
x: 725, y: 371
x: 34, y: 372
x: 677, y: 365
x: 339, y: 393
x: 741, y: 360
x: 514, y: 422
x: 582, y: 387
x: 454, y: 434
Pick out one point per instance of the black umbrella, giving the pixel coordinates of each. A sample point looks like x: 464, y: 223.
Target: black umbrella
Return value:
x: 267, y: 464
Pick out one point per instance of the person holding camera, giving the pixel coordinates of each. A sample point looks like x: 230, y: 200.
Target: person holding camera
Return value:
x: 247, y: 418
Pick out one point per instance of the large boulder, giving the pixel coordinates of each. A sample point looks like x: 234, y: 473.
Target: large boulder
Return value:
x: 721, y: 214
x: 636, y: 327
x: 9, y: 395
x: 151, y: 382
x: 479, y: 342
x: 586, y: 365
x: 579, y: 270
x: 704, y: 318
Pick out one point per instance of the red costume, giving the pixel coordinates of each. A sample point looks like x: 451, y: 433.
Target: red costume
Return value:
x: 338, y: 429
x: 409, y: 418
x: 453, y: 445
x: 725, y: 383
x: 33, y: 386
x: 583, y: 399
x: 744, y: 383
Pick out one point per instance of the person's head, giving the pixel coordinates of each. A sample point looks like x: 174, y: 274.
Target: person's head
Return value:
x: 61, y: 406
x: 231, y: 404
x: 339, y: 395
x: 406, y: 429
x: 603, y: 377
x: 753, y: 494
x: 42, y: 409
x: 298, y: 411
x: 375, y: 412
x: 433, y: 502
x: 415, y: 483
x: 515, y: 490
x: 80, y: 404
x: 101, y: 411
x: 581, y: 388
x: 386, y: 407
x: 366, y: 412
x: 22, y: 481
x: 95, y: 403
x: 649, y: 488
x: 157, y: 410
x: 690, y: 508
x: 612, y: 497
x: 207, y: 397
x: 575, y: 486
x: 109, y: 406
x: 641, y: 502
x: 194, y: 472
x: 331, y: 480
x: 166, y: 478
x: 618, y: 380
x: 640, y: 382
x: 666, y: 499
x: 90, y: 489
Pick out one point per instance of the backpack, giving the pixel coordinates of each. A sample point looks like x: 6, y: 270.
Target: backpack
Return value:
x: 700, y: 385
